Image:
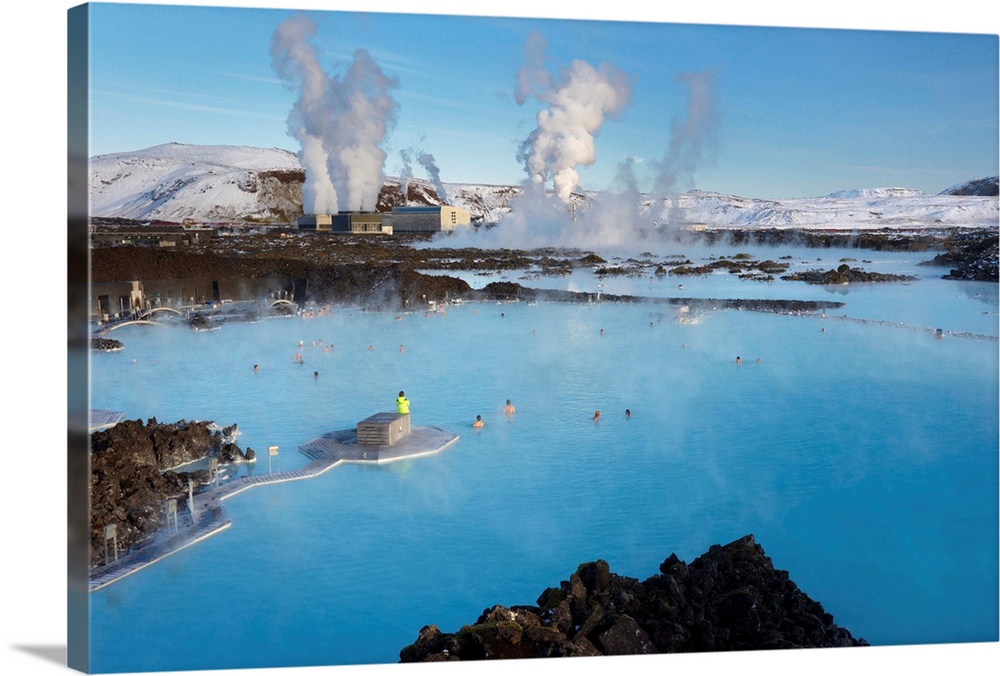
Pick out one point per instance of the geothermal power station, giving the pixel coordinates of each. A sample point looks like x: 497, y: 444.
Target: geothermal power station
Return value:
x: 401, y: 219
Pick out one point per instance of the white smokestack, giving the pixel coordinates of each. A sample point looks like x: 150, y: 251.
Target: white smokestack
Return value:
x: 340, y: 122
x: 577, y: 107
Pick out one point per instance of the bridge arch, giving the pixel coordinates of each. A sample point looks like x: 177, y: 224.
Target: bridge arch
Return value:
x: 130, y: 322
x: 153, y: 310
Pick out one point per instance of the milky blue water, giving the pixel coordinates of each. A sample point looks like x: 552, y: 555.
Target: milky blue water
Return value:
x: 862, y: 456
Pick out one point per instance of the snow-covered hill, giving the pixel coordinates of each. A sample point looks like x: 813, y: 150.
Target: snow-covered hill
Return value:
x: 176, y: 182
x: 857, y: 209
x: 981, y: 186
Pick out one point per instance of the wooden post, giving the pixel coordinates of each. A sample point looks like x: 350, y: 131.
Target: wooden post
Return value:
x: 172, y: 514
x: 272, y: 452
x: 110, y: 533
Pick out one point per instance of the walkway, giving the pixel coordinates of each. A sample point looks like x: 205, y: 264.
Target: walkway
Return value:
x: 102, y: 419
x: 209, y: 515
x: 138, y: 316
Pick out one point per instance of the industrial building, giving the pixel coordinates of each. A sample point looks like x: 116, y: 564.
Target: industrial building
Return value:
x: 318, y: 222
x: 158, y: 235
x: 402, y: 219
x: 353, y: 222
x: 442, y: 218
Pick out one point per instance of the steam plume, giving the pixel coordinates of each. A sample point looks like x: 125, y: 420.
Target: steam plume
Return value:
x: 427, y: 162
x: 577, y: 106
x: 405, y: 174
x: 689, y: 136
x: 340, y: 121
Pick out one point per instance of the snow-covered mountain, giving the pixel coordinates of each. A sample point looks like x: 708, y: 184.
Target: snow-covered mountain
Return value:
x: 857, y: 209
x: 176, y: 182
x: 981, y: 186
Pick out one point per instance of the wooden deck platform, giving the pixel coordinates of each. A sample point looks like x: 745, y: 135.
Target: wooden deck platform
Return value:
x: 209, y: 514
x: 343, y: 445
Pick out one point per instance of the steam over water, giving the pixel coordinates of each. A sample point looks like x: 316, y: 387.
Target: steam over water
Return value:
x: 862, y: 455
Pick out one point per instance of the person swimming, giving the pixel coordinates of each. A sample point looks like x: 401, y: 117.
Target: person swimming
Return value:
x: 509, y: 408
x: 479, y: 422
x: 628, y: 413
x: 597, y: 416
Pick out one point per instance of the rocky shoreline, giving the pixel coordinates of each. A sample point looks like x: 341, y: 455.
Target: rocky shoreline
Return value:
x: 134, y: 471
x: 344, y: 267
x: 972, y: 256
x: 395, y: 273
x: 730, y: 598
x: 512, y: 291
x: 845, y: 274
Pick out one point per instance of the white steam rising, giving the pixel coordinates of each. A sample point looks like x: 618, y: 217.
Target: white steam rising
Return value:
x: 339, y: 121
x: 578, y: 104
x: 622, y: 220
x: 405, y: 173
x: 691, y: 136
x: 426, y: 160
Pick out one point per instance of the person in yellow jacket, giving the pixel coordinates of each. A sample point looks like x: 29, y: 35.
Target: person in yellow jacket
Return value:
x: 402, y: 403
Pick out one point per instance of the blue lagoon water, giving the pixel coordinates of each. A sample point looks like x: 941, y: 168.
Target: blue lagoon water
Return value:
x: 862, y: 456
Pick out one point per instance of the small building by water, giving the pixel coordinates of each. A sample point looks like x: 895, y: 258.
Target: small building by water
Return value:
x: 354, y: 222
x: 434, y: 218
x: 440, y: 218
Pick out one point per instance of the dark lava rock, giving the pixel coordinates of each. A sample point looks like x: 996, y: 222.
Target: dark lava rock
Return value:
x: 200, y: 322
x: 845, y: 274
x: 731, y: 598
x: 507, y: 291
x: 106, y: 344
x: 378, y: 282
x: 741, y: 265
x: 132, y: 477
x: 971, y: 256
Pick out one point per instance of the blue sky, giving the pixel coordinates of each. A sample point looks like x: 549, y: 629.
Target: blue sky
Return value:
x: 796, y: 111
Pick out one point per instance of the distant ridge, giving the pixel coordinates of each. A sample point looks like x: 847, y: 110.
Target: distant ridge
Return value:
x: 175, y: 182
x: 869, y: 193
x: 982, y: 187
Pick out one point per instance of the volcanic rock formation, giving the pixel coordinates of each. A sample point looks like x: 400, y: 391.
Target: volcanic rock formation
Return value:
x: 132, y: 477
x: 731, y: 598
